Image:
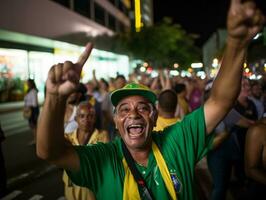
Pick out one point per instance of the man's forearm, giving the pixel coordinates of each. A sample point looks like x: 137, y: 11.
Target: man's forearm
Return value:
x: 50, y: 132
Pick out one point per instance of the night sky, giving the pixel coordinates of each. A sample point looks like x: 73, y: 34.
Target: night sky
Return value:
x: 201, y: 17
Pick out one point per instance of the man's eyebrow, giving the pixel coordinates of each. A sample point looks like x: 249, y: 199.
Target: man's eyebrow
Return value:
x: 119, y: 105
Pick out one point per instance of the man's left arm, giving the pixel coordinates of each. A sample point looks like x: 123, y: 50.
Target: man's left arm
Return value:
x: 244, y: 21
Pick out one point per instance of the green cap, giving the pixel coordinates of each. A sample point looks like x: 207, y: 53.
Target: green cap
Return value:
x: 133, y: 89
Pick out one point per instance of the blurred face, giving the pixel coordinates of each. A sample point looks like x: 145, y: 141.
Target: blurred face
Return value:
x: 86, y: 118
x: 256, y: 91
x: 245, y: 88
x: 103, y: 85
x: 135, y: 118
x: 29, y: 84
x: 90, y: 88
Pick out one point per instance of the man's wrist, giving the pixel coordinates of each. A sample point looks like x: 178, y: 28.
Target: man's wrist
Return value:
x: 236, y: 43
x: 55, y: 98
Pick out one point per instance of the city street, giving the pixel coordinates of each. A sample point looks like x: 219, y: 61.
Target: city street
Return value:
x: 28, y: 176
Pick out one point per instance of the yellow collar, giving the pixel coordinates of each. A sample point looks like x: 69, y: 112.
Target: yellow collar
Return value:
x: 74, y: 137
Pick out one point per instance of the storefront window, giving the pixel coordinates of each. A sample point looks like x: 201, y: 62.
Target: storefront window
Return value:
x: 106, y: 65
x: 13, y: 72
x: 39, y: 65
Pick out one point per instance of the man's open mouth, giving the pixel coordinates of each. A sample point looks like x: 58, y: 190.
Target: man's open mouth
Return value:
x: 135, y: 130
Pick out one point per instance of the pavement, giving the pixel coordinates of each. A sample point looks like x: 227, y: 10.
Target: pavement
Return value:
x: 21, y: 161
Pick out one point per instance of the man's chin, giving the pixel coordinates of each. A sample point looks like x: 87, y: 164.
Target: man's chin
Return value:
x: 136, y: 144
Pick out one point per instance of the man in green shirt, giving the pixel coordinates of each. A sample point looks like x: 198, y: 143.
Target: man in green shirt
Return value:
x: 165, y: 161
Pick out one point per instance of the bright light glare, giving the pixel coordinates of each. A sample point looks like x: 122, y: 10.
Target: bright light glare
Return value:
x: 196, y: 65
x: 215, y: 62
x: 154, y: 74
x: 142, y: 69
x: 174, y: 72
x: 259, y: 77
x: 185, y: 73
x: 252, y: 77
x: 201, y: 74
x: 257, y: 36
x: 176, y: 65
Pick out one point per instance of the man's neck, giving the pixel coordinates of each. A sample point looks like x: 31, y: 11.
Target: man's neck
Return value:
x: 141, y: 156
x: 83, y: 136
x: 166, y: 115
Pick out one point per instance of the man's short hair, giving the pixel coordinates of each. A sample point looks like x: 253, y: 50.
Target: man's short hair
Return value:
x: 167, y: 100
x: 180, y: 87
x: 82, y: 90
x: 120, y: 76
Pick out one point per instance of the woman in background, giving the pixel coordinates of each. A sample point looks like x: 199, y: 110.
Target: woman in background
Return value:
x: 31, y: 102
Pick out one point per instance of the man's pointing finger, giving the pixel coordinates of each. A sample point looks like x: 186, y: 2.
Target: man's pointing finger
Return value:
x: 84, y: 56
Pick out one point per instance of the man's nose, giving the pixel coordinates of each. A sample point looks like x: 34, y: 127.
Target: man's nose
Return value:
x: 134, y: 113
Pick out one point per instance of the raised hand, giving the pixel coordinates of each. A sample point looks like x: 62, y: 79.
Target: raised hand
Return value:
x: 63, y: 78
x: 244, y: 21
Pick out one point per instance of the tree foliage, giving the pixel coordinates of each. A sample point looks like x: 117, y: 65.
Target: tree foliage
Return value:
x: 161, y: 45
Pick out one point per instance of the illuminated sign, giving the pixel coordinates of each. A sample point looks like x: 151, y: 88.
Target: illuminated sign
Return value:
x: 138, y: 23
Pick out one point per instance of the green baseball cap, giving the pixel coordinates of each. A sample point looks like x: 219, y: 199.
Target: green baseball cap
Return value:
x: 133, y: 89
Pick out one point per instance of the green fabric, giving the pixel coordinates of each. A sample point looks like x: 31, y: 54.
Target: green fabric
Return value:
x: 133, y: 89
x: 182, y: 146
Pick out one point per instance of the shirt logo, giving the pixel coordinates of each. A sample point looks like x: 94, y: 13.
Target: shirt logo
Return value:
x: 176, y: 182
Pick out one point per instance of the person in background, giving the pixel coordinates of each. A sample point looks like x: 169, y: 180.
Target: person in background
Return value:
x: 165, y: 161
x: 195, y: 94
x: 182, y: 108
x: 223, y: 153
x: 107, y: 108
x: 247, y: 109
x: 31, y: 102
x: 85, y: 134
x: 102, y: 86
x: 120, y: 81
x: 257, y: 98
x: 255, y: 160
x: 71, y: 108
x: 167, y: 103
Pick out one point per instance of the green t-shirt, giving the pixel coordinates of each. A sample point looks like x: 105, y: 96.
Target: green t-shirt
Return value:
x: 182, y: 146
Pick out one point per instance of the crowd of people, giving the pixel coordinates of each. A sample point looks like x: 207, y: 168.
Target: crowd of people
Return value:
x: 140, y: 137
x: 225, y: 158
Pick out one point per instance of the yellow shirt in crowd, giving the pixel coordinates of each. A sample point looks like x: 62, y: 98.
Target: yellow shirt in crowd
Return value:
x: 164, y: 122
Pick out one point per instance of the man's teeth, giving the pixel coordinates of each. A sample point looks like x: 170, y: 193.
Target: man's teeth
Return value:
x: 135, y: 126
x: 135, y: 129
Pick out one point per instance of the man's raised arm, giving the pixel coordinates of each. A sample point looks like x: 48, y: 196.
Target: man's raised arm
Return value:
x: 62, y: 80
x: 244, y: 21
